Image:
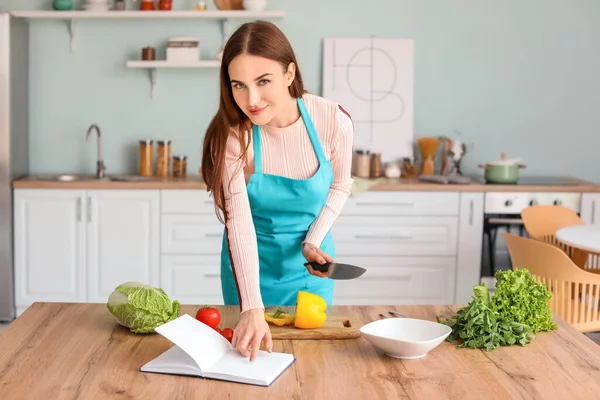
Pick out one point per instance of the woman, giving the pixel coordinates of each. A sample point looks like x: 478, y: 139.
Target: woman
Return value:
x: 278, y: 163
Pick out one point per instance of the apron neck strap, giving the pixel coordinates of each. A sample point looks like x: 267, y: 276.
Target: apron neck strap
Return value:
x: 312, y: 132
x: 257, y: 149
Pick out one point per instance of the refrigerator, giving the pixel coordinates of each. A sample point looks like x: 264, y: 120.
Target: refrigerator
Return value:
x: 14, y: 142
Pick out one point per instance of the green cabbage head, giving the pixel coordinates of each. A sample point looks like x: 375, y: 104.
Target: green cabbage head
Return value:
x: 141, y: 307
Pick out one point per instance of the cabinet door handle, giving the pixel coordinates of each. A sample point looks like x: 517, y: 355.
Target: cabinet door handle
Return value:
x: 593, y: 212
x: 400, y: 204
x: 213, y: 235
x: 89, y: 209
x: 78, y: 209
x: 403, y: 237
x: 403, y: 277
x: 212, y: 275
x: 471, y: 206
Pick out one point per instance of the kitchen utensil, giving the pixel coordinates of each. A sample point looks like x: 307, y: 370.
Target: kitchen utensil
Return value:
x: 229, y: 4
x: 335, y: 327
x: 405, y: 338
x: 148, y: 53
x: 145, y: 158
x: 409, y: 168
x: 446, y: 155
x: 254, y: 5
x: 457, y: 152
x: 62, y: 5
x: 362, y: 160
x: 376, y: 167
x: 179, y: 166
x: 337, y: 270
x: 504, y: 171
x: 428, y: 147
x: 396, y: 313
x: 392, y: 171
x: 448, y: 179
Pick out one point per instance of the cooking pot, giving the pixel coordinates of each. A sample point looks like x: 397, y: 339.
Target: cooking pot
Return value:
x: 503, y: 171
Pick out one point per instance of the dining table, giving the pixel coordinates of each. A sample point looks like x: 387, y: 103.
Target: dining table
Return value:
x: 585, y: 237
x: 79, y: 351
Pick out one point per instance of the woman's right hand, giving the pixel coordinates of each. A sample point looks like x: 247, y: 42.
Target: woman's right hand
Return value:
x: 250, y: 332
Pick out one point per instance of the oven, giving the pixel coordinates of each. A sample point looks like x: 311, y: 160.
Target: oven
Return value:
x: 502, y: 213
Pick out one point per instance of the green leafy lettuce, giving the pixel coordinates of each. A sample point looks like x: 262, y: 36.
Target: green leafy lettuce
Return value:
x: 140, y: 307
x: 513, y: 315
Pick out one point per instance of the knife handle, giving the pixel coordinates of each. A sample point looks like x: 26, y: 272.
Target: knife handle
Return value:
x: 318, y: 267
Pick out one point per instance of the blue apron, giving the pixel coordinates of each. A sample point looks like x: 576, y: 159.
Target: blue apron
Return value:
x: 283, y: 210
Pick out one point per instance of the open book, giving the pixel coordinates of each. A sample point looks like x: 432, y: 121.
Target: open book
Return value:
x: 202, y: 352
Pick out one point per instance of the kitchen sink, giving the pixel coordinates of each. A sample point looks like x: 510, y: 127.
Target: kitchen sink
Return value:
x: 66, y: 177
x: 90, y: 177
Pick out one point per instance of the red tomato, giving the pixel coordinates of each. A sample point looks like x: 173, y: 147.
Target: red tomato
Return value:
x: 209, y: 315
x: 227, y: 334
x: 218, y: 330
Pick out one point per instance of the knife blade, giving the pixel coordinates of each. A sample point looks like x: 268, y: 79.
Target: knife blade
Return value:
x: 337, y: 271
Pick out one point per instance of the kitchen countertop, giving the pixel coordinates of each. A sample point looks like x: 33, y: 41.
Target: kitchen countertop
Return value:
x: 196, y: 182
x: 74, y: 350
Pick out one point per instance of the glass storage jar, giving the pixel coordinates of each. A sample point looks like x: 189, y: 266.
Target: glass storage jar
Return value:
x: 163, y: 161
x: 179, y: 166
x: 145, y: 158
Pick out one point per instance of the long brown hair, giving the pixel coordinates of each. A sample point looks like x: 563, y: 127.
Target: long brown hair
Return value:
x: 259, y: 38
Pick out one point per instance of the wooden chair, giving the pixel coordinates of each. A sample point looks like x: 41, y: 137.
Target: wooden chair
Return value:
x: 575, y: 292
x: 541, y: 223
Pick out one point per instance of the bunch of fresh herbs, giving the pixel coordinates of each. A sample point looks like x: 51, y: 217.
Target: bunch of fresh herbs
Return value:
x: 513, y: 315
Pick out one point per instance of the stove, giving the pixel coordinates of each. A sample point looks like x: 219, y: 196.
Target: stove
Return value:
x: 513, y: 201
x: 502, y: 212
x: 531, y: 181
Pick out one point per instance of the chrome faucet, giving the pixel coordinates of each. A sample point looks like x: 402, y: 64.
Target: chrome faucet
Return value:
x: 100, y: 167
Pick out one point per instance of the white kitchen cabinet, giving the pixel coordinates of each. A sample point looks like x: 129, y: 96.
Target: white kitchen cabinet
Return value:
x: 468, y: 258
x: 590, y: 208
x: 418, y: 247
x: 122, y: 240
x: 191, y: 237
x: 407, y: 241
x: 49, y: 242
x: 192, y: 279
x: 78, y: 245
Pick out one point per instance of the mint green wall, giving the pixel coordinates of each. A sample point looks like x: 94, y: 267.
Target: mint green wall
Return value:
x: 513, y: 76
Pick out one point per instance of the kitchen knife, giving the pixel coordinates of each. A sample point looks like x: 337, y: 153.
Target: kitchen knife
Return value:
x: 337, y: 270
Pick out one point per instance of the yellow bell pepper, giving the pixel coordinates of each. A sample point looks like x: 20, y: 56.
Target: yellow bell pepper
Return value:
x: 310, y: 310
x: 279, y: 317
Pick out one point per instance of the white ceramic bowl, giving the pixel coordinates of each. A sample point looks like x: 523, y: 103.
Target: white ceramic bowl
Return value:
x: 406, y: 338
x: 254, y: 5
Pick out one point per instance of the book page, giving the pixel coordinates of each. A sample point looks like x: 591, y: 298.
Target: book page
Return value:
x: 200, y: 341
x: 173, y: 361
x: 262, y: 371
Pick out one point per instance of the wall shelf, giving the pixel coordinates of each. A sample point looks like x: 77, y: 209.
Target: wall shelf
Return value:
x: 154, y: 65
x: 209, y: 14
x: 71, y: 16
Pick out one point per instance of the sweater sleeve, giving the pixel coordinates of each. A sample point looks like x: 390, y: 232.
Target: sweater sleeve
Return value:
x: 341, y: 161
x: 243, y: 248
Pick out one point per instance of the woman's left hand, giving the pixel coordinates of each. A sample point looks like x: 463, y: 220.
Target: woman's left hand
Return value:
x: 313, y: 253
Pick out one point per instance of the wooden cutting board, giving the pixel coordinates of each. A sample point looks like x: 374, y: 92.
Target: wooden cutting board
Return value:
x: 335, y: 327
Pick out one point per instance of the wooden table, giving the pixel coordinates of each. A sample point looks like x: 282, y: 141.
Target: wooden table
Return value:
x: 584, y: 237
x: 76, y: 351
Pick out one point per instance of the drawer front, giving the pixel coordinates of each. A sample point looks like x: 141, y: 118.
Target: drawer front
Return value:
x: 403, y: 203
x: 192, y: 279
x: 399, y: 280
x: 191, y: 234
x: 187, y: 202
x: 416, y: 236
